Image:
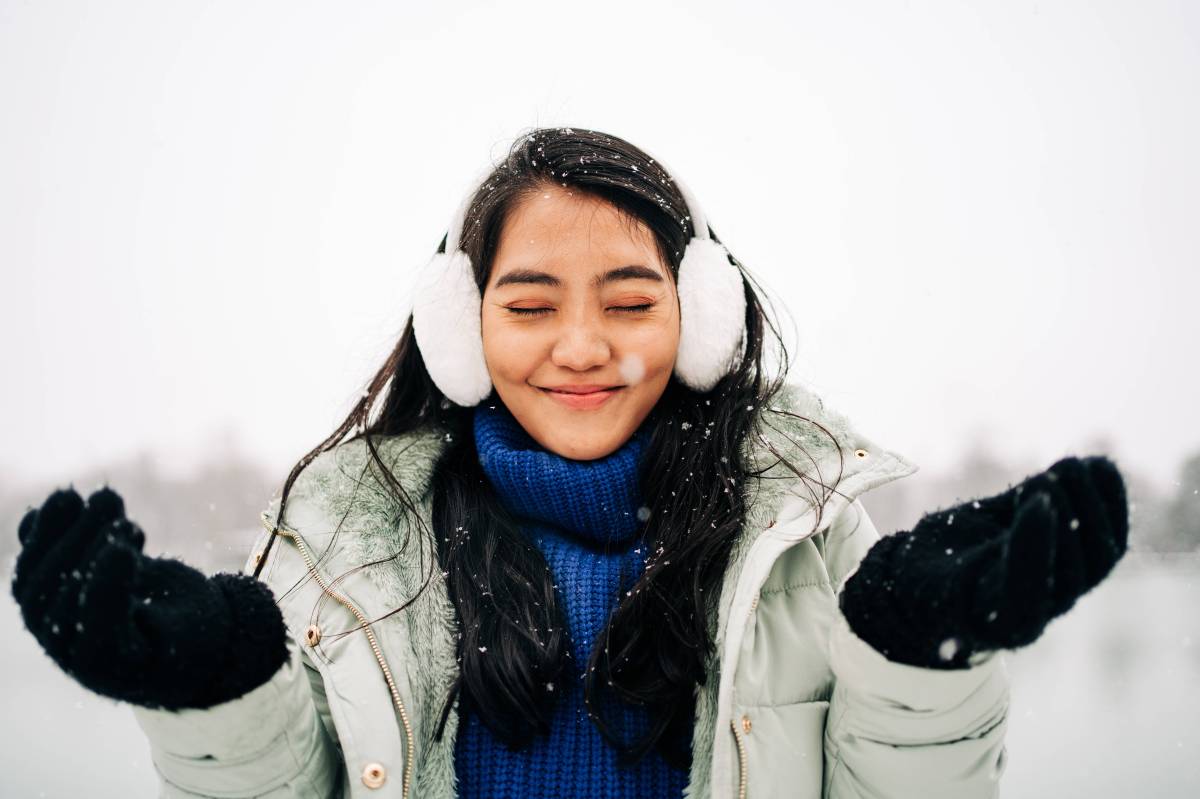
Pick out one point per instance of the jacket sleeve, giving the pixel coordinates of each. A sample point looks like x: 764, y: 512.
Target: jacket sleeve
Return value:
x: 895, y: 730
x: 275, y: 741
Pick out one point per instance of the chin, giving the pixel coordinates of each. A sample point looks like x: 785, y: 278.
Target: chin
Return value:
x: 585, y: 450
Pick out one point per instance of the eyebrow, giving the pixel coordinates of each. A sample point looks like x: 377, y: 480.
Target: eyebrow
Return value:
x: 534, y: 277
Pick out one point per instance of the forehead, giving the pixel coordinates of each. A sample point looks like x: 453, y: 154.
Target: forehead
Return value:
x: 560, y: 229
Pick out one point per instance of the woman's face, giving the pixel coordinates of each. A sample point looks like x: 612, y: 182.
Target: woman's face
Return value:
x: 580, y: 322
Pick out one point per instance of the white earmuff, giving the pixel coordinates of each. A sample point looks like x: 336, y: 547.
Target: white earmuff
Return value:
x: 446, y: 306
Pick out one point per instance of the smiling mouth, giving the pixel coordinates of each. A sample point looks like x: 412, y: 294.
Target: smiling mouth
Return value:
x: 582, y: 401
x: 579, y: 393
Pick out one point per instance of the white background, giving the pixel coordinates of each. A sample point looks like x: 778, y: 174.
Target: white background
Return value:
x: 981, y: 217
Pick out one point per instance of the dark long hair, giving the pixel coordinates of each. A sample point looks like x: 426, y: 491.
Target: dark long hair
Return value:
x: 659, y: 638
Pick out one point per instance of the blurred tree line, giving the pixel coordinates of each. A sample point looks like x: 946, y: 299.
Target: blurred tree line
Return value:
x: 1166, y: 522
x: 210, y: 518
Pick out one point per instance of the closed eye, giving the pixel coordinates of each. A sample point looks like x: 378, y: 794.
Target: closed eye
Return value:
x: 624, y: 308
x: 528, y: 311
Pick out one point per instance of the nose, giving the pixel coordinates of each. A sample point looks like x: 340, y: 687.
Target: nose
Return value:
x: 581, y: 346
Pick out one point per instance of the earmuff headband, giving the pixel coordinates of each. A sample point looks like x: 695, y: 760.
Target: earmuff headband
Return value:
x: 447, y: 305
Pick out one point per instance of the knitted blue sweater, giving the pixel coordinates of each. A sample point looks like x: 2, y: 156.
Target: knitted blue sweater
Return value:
x: 583, y: 516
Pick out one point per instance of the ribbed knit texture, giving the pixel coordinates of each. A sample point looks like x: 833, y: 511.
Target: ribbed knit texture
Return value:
x: 583, y: 516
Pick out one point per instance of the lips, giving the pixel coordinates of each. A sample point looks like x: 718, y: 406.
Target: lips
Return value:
x: 582, y: 400
x: 580, y: 389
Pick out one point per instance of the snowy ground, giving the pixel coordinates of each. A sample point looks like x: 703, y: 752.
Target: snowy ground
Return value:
x: 1106, y: 704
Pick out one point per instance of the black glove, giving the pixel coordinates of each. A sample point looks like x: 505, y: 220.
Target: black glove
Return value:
x: 990, y: 574
x: 151, y: 631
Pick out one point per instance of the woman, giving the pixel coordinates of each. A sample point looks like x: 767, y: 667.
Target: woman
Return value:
x: 580, y: 543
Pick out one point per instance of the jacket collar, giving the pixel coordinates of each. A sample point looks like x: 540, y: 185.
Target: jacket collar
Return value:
x: 830, y: 453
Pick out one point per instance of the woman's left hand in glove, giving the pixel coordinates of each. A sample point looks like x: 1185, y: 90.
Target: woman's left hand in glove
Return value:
x: 990, y: 573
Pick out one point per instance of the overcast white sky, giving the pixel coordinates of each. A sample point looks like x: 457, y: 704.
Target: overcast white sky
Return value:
x: 982, y: 216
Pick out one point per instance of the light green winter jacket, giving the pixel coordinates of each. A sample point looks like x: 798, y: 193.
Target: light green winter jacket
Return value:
x: 795, y: 705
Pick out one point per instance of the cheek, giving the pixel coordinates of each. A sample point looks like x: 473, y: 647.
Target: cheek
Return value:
x: 501, y: 349
x: 650, y: 353
x: 513, y: 351
x: 662, y: 340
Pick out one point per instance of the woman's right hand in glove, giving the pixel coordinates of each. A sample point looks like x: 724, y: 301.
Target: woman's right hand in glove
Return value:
x: 151, y: 631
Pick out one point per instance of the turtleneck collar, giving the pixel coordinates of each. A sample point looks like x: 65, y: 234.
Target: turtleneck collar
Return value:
x: 597, y: 500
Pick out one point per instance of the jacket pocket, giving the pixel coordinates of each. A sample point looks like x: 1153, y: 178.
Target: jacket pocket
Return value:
x: 783, y: 747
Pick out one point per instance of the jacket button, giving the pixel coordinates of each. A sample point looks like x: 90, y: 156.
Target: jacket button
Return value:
x: 374, y: 775
x: 862, y: 453
x: 745, y: 724
x: 312, y: 635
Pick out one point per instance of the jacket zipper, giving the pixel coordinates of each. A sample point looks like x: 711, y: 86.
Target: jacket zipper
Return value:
x: 742, y: 765
x: 741, y: 747
x: 387, y: 673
